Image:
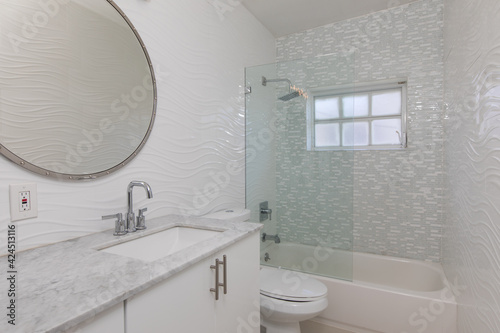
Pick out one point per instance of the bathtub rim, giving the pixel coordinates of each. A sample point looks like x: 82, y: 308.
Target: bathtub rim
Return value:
x: 436, y: 267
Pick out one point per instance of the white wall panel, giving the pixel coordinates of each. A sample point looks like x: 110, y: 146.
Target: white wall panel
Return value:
x: 194, y: 159
x: 471, y: 243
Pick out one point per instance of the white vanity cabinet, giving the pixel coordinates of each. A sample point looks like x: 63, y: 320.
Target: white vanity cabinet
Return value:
x: 239, y: 309
x: 185, y: 304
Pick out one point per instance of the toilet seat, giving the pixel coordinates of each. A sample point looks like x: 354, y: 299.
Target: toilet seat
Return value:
x: 290, y: 286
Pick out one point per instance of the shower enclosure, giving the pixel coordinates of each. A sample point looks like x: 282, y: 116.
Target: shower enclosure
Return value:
x: 302, y: 195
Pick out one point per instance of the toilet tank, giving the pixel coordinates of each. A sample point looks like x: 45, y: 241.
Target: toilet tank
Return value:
x: 231, y: 215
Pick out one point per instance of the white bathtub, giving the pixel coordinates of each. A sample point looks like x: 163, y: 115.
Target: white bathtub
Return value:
x: 378, y: 293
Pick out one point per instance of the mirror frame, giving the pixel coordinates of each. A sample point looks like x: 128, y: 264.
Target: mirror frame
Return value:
x: 63, y: 176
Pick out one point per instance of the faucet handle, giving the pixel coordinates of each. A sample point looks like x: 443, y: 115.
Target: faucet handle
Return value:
x: 268, y: 211
x: 113, y: 216
x: 119, y: 223
x: 141, y: 219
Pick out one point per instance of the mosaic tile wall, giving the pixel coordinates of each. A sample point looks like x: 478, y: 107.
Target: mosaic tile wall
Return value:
x: 310, y: 197
x: 383, y: 202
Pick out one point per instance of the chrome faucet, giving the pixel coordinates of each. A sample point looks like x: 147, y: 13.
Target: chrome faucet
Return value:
x: 130, y: 212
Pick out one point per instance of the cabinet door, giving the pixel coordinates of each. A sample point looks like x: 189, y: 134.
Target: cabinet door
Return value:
x: 239, y: 309
x: 109, y: 321
x: 180, y: 304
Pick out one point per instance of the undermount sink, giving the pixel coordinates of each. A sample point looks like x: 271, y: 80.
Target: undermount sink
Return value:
x: 161, y: 244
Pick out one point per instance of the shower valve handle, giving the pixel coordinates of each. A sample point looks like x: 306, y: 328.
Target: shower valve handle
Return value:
x: 268, y: 211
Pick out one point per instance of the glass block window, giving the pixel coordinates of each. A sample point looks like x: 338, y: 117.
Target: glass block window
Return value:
x: 367, y: 116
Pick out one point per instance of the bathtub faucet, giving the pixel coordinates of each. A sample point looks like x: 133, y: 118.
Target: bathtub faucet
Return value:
x: 276, y: 238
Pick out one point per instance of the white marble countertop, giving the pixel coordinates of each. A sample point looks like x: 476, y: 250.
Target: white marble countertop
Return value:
x: 64, y: 284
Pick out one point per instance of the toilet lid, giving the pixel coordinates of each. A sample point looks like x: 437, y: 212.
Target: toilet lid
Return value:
x: 290, y: 286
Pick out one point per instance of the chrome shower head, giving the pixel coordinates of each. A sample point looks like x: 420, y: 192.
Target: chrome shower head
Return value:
x: 291, y: 93
x: 289, y: 96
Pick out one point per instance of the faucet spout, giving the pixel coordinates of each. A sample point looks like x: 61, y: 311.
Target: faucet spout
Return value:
x: 130, y: 211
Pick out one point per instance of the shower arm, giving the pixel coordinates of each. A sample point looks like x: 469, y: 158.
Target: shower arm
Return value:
x: 265, y: 81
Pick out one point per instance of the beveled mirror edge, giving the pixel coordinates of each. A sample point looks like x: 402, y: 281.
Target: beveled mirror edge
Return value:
x: 79, y: 177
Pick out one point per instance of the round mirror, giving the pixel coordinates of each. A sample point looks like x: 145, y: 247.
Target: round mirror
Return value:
x: 77, y: 88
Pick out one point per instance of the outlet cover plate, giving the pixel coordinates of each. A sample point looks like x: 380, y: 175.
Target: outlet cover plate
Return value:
x: 16, y: 213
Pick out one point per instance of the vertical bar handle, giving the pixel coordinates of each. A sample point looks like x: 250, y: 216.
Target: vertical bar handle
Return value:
x: 216, y: 289
x: 224, y: 270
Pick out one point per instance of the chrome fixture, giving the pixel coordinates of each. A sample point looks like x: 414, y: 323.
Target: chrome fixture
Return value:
x: 215, y: 267
x: 276, y: 238
x: 130, y: 212
x: 265, y: 211
x: 267, y: 257
x: 293, y: 91
x: 119, y: 223
x: 141, y: 220
x: 265, y: 81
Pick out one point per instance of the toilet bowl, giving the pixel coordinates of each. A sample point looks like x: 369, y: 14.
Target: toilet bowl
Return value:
x: 287, y: 298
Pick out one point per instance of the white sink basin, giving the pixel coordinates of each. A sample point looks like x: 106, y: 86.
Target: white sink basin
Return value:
x: 161, y: 244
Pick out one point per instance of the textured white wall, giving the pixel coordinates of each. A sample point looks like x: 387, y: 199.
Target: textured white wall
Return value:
x: 65, y: 64
x: 194, y: 159
x: 471, y: 243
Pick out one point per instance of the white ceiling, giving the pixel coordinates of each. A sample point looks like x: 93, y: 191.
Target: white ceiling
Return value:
x: 284, y: 17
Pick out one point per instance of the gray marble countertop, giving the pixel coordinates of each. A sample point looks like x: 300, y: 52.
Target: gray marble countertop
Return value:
x: 64, y: 284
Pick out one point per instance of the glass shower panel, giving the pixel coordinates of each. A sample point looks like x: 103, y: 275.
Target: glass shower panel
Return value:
x: 309, y: 192
x: 260, y: 138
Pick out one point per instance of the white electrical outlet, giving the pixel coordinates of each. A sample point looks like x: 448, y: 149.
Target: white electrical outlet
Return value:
x: 23, y: 202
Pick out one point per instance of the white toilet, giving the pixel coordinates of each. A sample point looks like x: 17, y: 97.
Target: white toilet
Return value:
x: 286, y: 297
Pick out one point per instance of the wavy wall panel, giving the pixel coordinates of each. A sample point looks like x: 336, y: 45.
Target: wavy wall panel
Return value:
x: 194, y: 159
x: 471, y: 243
x: 58, y: 86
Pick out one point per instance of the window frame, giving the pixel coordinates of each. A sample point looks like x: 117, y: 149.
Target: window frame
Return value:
x: 353, y: 89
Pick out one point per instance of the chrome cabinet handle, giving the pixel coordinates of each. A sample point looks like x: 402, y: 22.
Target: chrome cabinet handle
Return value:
x: 218, y: 263
x: 224, y: 273
x: 217, y: 284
